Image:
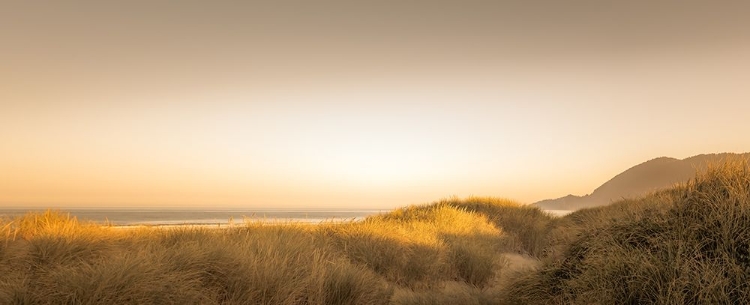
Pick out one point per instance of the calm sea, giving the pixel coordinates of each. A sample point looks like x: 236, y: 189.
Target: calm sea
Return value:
x: 195, y: 216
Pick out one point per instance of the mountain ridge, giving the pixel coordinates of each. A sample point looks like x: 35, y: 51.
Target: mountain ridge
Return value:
x: 641, y: 179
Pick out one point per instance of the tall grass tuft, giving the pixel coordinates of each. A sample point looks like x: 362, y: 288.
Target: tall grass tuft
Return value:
x: 526, y: 226
x: 688, y: 245
x: 257, y: 264
x: 421, y: 246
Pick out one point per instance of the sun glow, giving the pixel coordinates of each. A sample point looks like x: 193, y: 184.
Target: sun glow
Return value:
x: 376, y: 164
x: 349, y: 105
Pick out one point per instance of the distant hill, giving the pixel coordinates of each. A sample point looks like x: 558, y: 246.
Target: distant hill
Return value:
x: 639, y: 180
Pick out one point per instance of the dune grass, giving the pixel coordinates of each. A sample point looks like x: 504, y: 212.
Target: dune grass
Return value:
x: 686, y: 245
x: 447, y: 250
x: 87, y: 264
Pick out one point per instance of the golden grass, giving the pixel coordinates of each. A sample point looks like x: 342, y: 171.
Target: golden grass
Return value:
x: 687, y: 245
x: 87, y: 264
x: 413, y: 255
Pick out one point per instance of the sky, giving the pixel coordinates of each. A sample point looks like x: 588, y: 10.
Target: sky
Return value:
x: 358, y: 104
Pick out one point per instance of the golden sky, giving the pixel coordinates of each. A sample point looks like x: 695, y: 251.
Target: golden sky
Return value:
x: 358, y: 104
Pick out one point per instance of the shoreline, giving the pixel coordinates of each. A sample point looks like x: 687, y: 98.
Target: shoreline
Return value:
x: 230, y: 225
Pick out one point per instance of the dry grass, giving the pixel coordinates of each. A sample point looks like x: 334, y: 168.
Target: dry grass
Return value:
x: 411, y: 256
x: 687, y: 245
x: 256, y: 264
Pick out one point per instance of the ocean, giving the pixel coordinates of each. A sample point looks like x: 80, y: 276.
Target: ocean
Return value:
x: 128, y: 217
x: 559, y: 213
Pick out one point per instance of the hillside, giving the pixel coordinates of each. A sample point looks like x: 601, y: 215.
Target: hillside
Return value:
x: 639, y: 180
x: 685, y: 245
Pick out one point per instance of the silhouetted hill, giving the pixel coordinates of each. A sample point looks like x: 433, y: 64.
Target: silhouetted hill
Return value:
x: 639, y: 180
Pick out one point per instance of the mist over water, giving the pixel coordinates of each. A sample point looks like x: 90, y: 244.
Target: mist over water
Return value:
x: 123, y: 217
x: 559, y: 213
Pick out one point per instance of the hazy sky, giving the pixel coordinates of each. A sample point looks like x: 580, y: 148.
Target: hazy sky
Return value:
x: 371, y: 104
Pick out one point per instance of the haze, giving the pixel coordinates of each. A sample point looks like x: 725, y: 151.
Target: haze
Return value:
x: 347, y: 104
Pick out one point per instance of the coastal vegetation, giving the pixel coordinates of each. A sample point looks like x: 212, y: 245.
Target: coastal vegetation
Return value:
x: 686, y: 245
